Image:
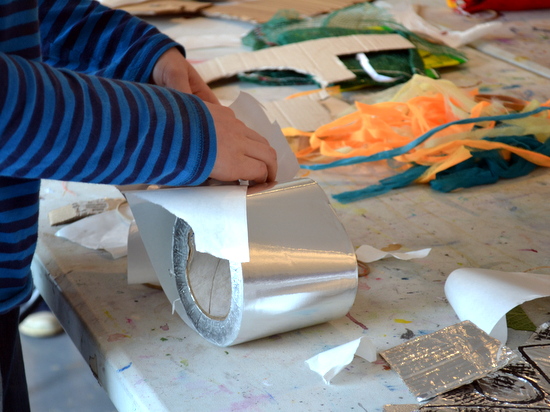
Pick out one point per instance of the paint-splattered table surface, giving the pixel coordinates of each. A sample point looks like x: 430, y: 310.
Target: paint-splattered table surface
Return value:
x: 147, y: 359
x: 521, y: 38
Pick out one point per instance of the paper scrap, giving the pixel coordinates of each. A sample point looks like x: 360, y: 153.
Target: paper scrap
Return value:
x: 447, y: 359
x: 366, y: 254
x: 484, y: 296
x: 318, y: 57
x: 207, y: 41
x: 152, y: 7
x: 329, y: 363
x: 107, y: 231
x: 306, y: 113
x: 118, y: 3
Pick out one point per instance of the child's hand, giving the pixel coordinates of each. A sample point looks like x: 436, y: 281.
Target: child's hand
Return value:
x: 174, y: 71
x: 242, y: 153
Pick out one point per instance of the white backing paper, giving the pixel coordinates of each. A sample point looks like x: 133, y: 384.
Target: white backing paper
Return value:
x: 484, y: 296
x: 217, y: 215
x: 140, y: 269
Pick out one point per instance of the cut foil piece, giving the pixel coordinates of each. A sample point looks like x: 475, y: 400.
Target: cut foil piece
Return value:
x: 521, y: 386
x: 447, y: 359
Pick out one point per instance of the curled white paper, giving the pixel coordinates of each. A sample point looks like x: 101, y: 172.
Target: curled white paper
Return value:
x: 217, y: 215
x: 484, y: 296
x: 331, y: 362
x: 366, y: 254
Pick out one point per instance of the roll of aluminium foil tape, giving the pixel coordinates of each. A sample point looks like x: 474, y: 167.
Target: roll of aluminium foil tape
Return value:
x: 302, y: 269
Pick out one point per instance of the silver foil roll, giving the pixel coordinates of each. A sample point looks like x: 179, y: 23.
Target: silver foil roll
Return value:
x: 302, y: 269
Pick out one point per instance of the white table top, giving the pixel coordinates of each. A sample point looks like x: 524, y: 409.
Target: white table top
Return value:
x: 147, y: 359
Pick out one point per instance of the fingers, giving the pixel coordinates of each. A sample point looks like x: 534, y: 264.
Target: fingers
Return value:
x: 253, y: 170
x: 259, y: 149
x: 252, y: 161
x: 199, y: 87
x: 242, y: 153
x: 261, y: 187
x: 174, y: 71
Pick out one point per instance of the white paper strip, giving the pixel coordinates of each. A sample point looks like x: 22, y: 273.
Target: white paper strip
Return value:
x: 366, y: 254
x: 484, y: 296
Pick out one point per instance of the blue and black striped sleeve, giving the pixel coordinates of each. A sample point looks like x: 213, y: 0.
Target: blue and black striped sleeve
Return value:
x: 75, y: 105
x: 87, y: 37
x: 61, y: 124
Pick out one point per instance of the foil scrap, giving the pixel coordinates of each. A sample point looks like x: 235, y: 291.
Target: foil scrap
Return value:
x: 521, y: 386
x: 447, y: 359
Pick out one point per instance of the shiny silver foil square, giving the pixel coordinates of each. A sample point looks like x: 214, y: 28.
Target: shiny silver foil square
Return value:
x: 521, y: 386
x: 447, y: 359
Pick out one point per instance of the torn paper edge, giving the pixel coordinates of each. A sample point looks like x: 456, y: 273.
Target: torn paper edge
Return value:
x: 474, y: 294
x: 106, y: 231
x: 331, y: 362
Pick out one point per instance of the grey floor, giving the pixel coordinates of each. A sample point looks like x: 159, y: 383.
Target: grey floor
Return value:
x: 58, y: 378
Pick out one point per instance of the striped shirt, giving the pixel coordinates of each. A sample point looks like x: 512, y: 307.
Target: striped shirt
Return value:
x: 75, y: 105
